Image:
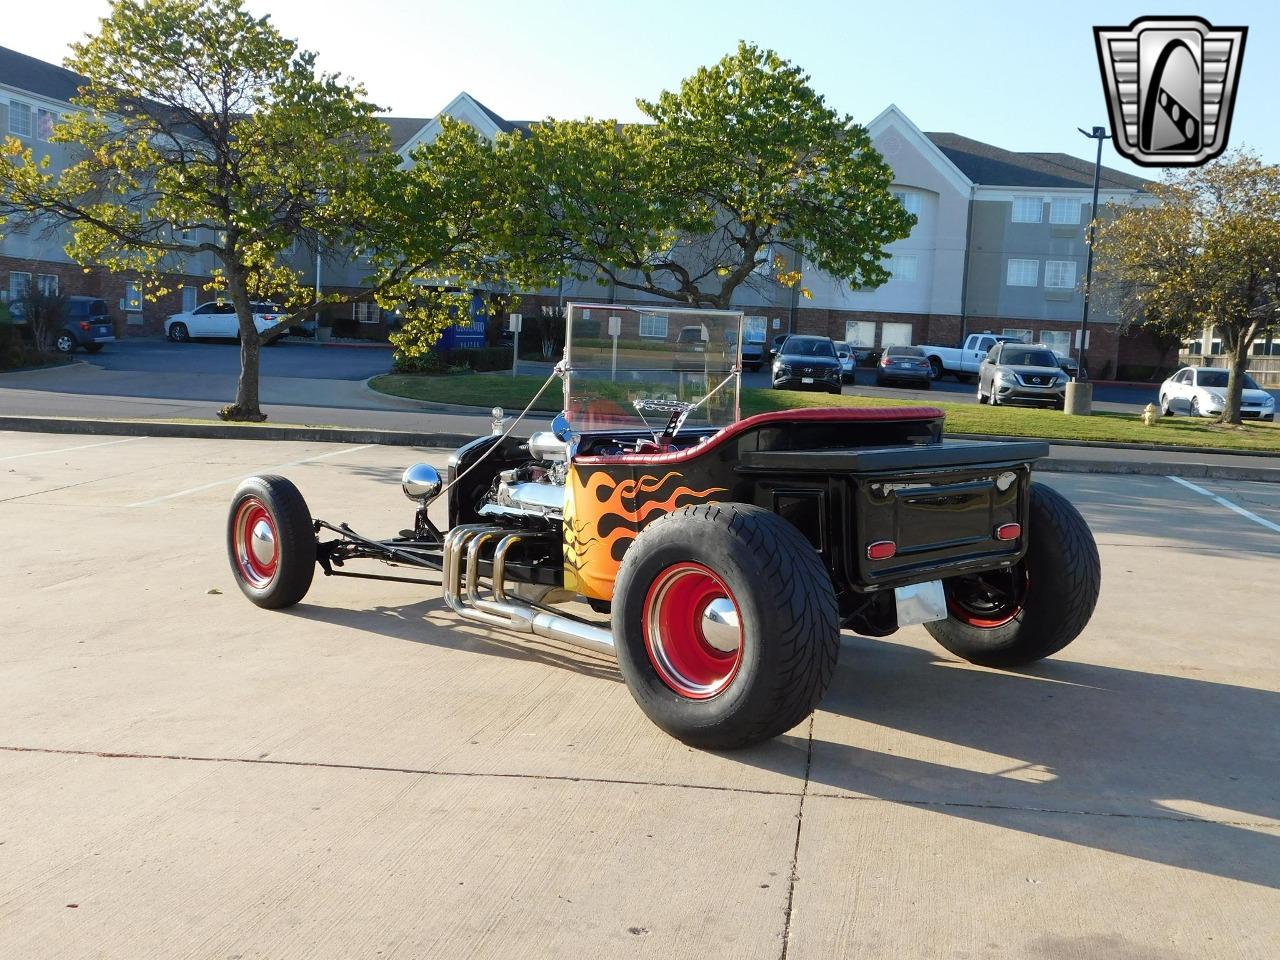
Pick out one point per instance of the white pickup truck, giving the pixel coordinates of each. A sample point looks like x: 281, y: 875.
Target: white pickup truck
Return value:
x: 962, y: 361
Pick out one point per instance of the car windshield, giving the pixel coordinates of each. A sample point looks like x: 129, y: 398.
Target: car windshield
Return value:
x: 904, y: 352
x: 809, y: 347
x: 1029, y: 357
x: 663, y: 357
x: 1218, y: 378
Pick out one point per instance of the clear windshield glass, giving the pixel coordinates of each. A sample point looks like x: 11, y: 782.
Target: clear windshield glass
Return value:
x: 1218, y: 378
x: 655, y: 354
x: 808, y: 347
x: 1024, y: 357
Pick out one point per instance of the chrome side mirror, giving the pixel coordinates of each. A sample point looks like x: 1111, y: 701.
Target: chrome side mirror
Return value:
x: 421, y: 482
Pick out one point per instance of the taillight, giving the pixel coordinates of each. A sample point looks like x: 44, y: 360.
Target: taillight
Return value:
x: 884, y: 361
x: 84, y: 325
x: 881, y: 550
x: 1009, y: 531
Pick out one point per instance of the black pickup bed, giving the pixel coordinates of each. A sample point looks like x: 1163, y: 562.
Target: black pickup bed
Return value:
x: 925, y: 456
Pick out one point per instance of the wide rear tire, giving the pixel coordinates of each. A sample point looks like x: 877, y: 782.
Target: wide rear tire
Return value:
x: 271, y: 542
x: 1014, y: 617
x: 726, y: 625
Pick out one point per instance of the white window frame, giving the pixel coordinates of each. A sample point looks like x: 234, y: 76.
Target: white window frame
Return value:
x: 47, y: 283
x: 1059, y: 274
x: 366, y: 311
x: 1059, y: 341
x: 896, y: 327
x: 20, y: 108
x: 1065, y: 210
x: 40, y: 132
x: 904, y: 267
x: 1016, y: 276
x: 1023, y: 207
x: 19, y: 283
x: 653, y: 326
x: 911, y: 202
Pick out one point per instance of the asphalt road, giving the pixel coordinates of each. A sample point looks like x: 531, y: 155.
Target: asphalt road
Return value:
x: 185, y: 775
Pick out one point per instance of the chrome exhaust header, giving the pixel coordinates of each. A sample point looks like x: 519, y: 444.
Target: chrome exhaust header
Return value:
x: 462, y: 548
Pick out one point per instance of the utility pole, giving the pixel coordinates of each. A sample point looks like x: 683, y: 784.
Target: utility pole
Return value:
x: 1100, y: 134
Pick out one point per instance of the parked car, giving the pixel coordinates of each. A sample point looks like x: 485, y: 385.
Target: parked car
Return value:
x: 87, y: 324
x: 904, y: 365
x: 807, y: 363
x: 1202, y: 392
x: 1019, y: 372
x: 776, y: 344
x: 963, y: 361
x: 217, y: 319
x: 753, y: 348
x: 848, y: 361
x: 1069, y: 366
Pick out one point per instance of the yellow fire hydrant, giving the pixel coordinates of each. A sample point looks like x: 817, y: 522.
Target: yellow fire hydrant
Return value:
x: 1150, y: 414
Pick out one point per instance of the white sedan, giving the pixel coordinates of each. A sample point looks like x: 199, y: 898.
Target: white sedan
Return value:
x: 217, y: 318
x: 1202, y: 392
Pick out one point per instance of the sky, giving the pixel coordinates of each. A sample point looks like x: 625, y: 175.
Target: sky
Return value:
x: 1022, y: 75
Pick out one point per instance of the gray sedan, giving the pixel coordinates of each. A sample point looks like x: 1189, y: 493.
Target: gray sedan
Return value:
x: 1015, y: 372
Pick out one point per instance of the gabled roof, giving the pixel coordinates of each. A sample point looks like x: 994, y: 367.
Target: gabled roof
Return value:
x: 402, y: 128
x: 38, y: 77
x: 506, y: 126
x: 989, y: 165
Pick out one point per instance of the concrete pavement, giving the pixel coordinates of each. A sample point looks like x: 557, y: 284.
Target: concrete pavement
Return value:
x: 185, y: 775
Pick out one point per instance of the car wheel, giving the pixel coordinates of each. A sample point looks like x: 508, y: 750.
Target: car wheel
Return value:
x: 935, y: 366
x: 1006, y: 618
x: 178, y: 333
x: 270, y: 542
x: 65, y: 343
x: 93, y: 347
x: 1195, y: 407
x: 1165, y: 409
x: 726, y: 625
x: 982, y: 397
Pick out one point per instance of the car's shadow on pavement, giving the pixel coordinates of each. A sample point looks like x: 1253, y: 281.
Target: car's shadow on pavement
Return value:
x: 413, y: 622
x: 1109, y: 758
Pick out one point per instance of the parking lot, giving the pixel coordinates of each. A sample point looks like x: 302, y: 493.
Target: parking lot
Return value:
x: 183, y: 774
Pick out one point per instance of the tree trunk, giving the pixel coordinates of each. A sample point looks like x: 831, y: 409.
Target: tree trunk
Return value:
x: 246, y: 406
x: 1237, y: 361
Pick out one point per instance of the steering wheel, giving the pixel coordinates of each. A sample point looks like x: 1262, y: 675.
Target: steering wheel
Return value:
x: 677, y: 411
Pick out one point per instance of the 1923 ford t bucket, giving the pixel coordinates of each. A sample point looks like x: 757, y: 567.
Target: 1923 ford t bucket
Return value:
x: 727, y: 553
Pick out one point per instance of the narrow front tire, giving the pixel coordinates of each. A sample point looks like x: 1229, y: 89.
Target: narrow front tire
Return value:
x: 271, y: 542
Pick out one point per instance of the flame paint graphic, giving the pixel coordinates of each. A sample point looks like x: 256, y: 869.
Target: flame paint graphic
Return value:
x: 603, y: 516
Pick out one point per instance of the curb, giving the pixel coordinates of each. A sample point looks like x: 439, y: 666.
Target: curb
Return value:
x: 404, y: 438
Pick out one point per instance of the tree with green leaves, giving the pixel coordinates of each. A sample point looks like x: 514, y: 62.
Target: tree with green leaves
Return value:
x: 201, y: 130
x: 744, y: 177
x: 1206, y: 252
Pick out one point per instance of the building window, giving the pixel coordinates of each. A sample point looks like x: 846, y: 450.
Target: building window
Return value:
x: 132, y: 297
x: 1028, y: 209
x: 47, y: 283
x: 366, y: 312
x: 45, y: 119
x: 19, y: 118
x: 895, y: 335
x: 189, y: 293
x: 911, y: 202
x: 1059, y: 341
x: 1064, y: 210
x: 19, y: 284
x: 1023, y: 273
x: 860, y: 333
x: 1059, y: 274
x: 904, y: 266
x: 653, y: 325
x: 1023, y: 335
x: 1194, y: 347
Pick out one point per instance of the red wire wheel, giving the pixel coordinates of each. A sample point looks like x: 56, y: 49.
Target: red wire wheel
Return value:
x: 990, y: 599
x: 693, y: 630
x: 255, y: 543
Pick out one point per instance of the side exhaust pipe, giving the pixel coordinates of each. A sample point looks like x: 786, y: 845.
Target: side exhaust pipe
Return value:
x: 462, y: 592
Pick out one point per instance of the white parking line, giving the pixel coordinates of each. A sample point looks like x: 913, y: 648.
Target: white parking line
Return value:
x: 1228, y: 504
x: 83, y: 446
x: 241, y: 476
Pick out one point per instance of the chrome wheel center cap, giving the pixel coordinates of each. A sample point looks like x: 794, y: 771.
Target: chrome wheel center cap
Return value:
x: 262, y: 541
x: 720, y: 625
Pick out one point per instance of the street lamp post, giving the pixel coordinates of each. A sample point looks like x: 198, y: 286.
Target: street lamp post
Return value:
x: 1100, y: 134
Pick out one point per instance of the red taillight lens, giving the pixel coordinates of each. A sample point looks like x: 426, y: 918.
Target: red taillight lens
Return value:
x: 84, y: 325
x: 881, y: 550
x: 884, y: 361
x: 1009, y: 531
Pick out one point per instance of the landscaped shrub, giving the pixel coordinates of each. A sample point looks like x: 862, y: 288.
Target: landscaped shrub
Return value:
x: 476, y: 359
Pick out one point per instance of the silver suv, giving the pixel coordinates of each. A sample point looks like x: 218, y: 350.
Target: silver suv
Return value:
x: 1015, y: 372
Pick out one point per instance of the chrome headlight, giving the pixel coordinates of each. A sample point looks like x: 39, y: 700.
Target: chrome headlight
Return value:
x: 1216, y: 397
x: 1269, y: 402
x: 781, y: 369
x: 1003, y: 376
x: 421, y: 482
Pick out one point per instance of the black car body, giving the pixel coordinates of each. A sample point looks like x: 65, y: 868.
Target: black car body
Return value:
x: 807, y: 363
x: 904, y: 365
x: 1014, y: 372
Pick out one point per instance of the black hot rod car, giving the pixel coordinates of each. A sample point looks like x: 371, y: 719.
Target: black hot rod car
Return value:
x: 727, y: 553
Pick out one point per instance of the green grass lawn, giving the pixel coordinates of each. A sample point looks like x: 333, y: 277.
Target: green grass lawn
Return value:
x: 514, y: 393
